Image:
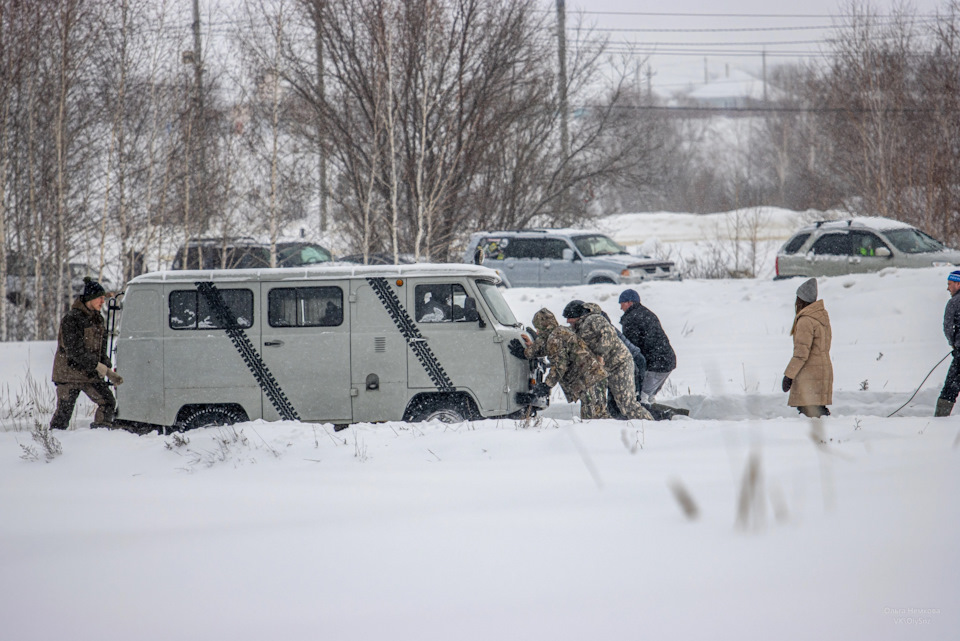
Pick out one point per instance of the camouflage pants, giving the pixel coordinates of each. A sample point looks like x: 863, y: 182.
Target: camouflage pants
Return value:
x: 621, y: 384
x: 67, y: 394
x: 593, y: 402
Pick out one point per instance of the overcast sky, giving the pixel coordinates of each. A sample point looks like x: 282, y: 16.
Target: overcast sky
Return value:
x: 683, y: 37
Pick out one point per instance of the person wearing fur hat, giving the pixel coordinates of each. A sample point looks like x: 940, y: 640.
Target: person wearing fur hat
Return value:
x: 809, y: 374
x: 81, y: 361
x: 951, y: 329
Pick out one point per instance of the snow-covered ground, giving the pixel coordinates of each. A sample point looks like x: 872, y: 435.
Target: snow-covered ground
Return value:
x: 555, y: 529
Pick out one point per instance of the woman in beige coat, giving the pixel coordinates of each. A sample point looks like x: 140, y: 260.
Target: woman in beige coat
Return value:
x: 809, y: 374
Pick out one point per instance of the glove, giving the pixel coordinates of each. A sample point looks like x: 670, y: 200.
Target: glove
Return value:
x: 541, y: 389
x: 516, y: 348
x: 103, y: 370
x: 787, y: 383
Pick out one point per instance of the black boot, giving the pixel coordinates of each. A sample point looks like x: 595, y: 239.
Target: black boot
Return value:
x: 944, y: 407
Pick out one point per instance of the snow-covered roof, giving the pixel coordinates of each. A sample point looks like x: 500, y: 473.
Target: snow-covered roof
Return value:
x: 318, y: 272
x: 560, y: 231
x: 878, y: 223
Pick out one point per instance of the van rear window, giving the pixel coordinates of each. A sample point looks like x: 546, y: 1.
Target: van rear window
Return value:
x: 305, y: 307
x: 190, y: 310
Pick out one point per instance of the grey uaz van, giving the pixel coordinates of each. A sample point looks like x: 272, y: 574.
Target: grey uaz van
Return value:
x: 330, y: 344
x: 556, y: 257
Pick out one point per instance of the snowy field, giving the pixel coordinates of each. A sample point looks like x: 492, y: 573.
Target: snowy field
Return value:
x: 844, y: 528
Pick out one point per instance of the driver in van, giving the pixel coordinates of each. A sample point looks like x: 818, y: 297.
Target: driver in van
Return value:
x: 433, y: 308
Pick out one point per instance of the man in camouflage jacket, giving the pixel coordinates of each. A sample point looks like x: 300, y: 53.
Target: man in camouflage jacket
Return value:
x: 601, y: 337
x: 572, y: 364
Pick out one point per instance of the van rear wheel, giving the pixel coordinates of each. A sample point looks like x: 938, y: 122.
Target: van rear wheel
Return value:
x: 445, y: 410
x: 211, y: 416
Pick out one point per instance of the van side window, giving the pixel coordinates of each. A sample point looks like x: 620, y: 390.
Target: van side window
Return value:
x: 440, y: 303
x: 190, y: 310
x: 305, y: 307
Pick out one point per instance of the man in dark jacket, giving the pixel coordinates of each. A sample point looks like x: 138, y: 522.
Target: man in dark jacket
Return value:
x: 951, y: 329
x: 643, y: 329
x: 81, y: 361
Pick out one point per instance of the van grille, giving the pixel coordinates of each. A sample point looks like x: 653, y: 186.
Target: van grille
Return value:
x: 380, y: 344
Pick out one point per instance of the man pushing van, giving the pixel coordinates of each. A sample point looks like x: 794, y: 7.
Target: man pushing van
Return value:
x: 82, y: 362
x: 572, y: 364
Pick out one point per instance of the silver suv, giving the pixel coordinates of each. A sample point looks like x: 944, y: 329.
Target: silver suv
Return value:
x: 557, y: 257
x: 21, y: 279
x: 859, y: 245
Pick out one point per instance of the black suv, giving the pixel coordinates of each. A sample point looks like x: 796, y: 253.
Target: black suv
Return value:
x: 246, y: 253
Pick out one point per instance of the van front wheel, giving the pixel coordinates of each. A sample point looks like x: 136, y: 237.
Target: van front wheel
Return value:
x: 210, y: 416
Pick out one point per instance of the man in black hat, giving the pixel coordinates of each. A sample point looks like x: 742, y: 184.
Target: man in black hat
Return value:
x: 81, y: 361
x: 642, y: 328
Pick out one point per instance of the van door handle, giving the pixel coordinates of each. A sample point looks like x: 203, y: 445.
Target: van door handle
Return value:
x: 272, y: 343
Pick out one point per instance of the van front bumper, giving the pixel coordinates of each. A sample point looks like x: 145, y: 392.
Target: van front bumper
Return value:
x: 528, y: 398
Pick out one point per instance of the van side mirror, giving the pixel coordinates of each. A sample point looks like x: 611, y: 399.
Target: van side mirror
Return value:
x: 567, y: 254
x: 470, y: 313
x: 882, y: 252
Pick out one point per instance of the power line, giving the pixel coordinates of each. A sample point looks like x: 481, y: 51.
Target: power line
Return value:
x: 764, y: 16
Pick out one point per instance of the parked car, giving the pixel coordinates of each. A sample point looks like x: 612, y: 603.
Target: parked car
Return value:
x: 555, y: 257
x: 21, y: 272
x: 377, y: 259
x: 246, y: 253
x: 859, y: 245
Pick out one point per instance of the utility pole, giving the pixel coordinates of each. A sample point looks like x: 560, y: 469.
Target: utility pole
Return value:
x: 199, y: 128
x: 321, y: 147
x: 764, y: 76
x: 562, y: 81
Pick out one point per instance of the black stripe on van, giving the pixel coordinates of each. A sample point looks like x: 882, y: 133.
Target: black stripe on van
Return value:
x: 408, y: 329
x: 228, y: 320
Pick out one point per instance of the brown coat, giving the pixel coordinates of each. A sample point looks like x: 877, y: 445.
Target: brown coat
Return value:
x: 810, y: 368
x: 81, y: 344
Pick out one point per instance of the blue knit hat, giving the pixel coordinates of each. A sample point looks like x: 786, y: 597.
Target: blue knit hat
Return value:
x: 629, y: 296
x: 954, y: 276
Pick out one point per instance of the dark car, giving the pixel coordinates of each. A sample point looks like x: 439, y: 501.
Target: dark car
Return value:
x: 21, y: 283
x: 247, y: 253
x: 378, y: 259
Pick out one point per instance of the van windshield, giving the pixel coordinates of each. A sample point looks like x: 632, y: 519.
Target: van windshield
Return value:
x: 912, y: 241
x: 497, y: 303
x: 597, y: 245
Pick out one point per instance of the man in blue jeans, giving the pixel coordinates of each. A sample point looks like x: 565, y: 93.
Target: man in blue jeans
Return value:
x: 951, y: 329
x: 642, y: 328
